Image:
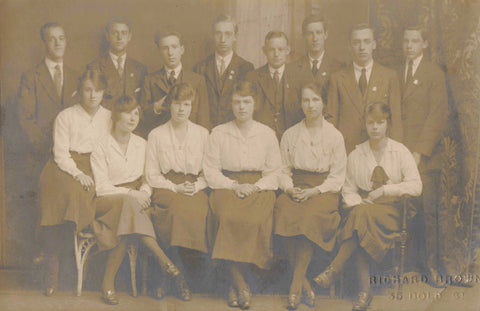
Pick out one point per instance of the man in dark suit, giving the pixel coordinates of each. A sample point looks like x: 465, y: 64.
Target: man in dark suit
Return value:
x: 277, y: 104
x: 362, y: 82
x: 425, y: 115
x: 222, y: 69
x: 316, y: 66
x: 44, y: 91
x: 125, y: 76
x: 158, y: 84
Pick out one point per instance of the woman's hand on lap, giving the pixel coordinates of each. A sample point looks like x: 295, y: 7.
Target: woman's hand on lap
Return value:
x: 85, y: 180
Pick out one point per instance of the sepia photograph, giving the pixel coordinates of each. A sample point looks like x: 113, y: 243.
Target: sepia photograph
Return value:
x: 204, y: 155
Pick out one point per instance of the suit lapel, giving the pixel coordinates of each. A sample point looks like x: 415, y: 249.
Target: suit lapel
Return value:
x: 230, y: 72
x: 47, y: 82
x: 108, y: 68
x: 373, y: 83
x: 267, y: 87
x: 211, y: 73
x: 161, y: 80
x: 323, y: 71
x: 69, y: 85
x: 352, y: 89
x: 419, y: 76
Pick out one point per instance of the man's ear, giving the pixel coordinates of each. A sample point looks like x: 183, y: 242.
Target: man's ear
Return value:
x: 288, y: 49
x: 374, y: 44
x: 425, y: 44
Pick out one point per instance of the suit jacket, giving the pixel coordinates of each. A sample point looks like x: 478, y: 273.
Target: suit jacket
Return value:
x: 219, y: 92
x: 302, y: 73
x: 157, y: 87
x: 265, y: 106
x: 38, y: 103
x: 134, y: 76
x: 424, y: 112
x: 346, y: 104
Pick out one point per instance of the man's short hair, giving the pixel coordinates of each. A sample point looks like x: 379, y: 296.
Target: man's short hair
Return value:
x: 225, y: 18
x: 419, y: 28
x: 314, y: 18
x: 160, y: 34
x: 47, y: 26
x: 118, y: 20
x: 362, y: 26
x: 275, y: 34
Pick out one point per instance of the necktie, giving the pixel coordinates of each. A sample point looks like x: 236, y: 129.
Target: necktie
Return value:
x: 120, y: 66
x: 222, y: 67
x: 379, y: 177
x: 362, y: 82
x: 409, y: 72
x: 314, y: 67
x: 57, y: 80
x: 276, y: 77
x: 171, y: 78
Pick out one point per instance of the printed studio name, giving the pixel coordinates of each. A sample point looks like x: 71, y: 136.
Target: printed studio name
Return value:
x: 378, y: 280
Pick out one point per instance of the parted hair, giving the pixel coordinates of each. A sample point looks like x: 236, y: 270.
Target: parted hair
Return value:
x: 118, y: 20
x: 419, y: 28
x: 225, y: 18
x: 244, y: 88
x: 314, y: 18
x: 315, y: 87
x: 160, y: 34
x: 378, y: 107
x: 96, y: 76
x: 124, y: 103
x: 275, y: 34
x: 47, y: 26
x: 361, y: 26
x: 180, y: 92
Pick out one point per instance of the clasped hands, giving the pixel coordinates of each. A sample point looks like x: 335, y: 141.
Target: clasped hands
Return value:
x: 374, y: 195
x: 300, y: 195
x: 244, y: 190
x: 187, y: 188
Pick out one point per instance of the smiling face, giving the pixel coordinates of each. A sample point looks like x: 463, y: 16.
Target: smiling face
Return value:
x: 118, y: 37
x: 312, y: 104
x: 276, y: 50
x: 171, y: 51
x: 180, y: 110
x: 362, y: 44
x: 413, y: 44
x: 55, y: 43
x: 315, y: 36
x: 91, y: 97
x: 243, y: 107
x: 128, y: 121
x: 224, y: 36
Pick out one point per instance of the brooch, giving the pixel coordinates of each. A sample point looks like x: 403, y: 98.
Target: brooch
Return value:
x: 374, y: 89
x: 324, y: 73
x: 131, y: 75
x: 415, y: 82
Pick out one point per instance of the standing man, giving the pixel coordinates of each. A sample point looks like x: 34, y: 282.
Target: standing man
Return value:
x: 158, y: 84
x: 316, y: 66
x: 125, y: 76
x: 44, y: 91
x: 222, y: 69
x: 277, y: 104
x: 425, y: 115
x: 364, y: 81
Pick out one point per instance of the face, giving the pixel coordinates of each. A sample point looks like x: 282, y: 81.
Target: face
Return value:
x: 180, y: 110
x: 224, y: 37
x: 128, y: 121
x: 312, y: 104
x: 243, y: 107
x: 362, y: 44
x: 315, y: 37
x: 413, y: 44
x: 91, y: 97
x: 276, y: 50
x: 376, y: 124
x: 55, y: 43
x: 171, y: 51
x: 118, y: 37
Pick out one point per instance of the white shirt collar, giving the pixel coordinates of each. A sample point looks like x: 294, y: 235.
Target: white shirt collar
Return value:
x: 177, y: 70
x: 358, y: 70
x: 51, y: 67
x: 280, y: 71
x: 226, y: 58
x: 416, y: 63
x: 115, y: 59
x: 320, y: 59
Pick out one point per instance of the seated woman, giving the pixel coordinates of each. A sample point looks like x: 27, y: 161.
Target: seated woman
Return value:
x: 242, y: 163
x: 379, y: 172
x: 314, y: 166
x: 173, y: 168
x: 123, y: 196
x: 66, y: 183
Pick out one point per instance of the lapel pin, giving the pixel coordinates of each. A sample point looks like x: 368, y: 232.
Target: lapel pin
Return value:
x: 374, y: 89
x: 415, y: 82
x: 324, y: 73
x: 74, y: 93
x: 232, y: 72
x: 287, y: 86
x: 137, y: 90
x: 230, y: 77
x: 131, y: 75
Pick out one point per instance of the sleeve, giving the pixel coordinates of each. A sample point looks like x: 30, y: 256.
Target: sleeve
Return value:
x: 411, y: 183
x: 201, y: 182
x: 212, y: 165
x: 272, y: 166
x: 203, y: 109
x: 285, y: 178
x: 145, y: 186
x: 246, y: 68
x: 333, y: 101
x: 350, y: 188
x: 336, y: 176
x: 394, y: 101
x: 153, y: 171
x: 437, y: 117
x: 146, y: 101
x: 103, y: 185
x: 61, y: 145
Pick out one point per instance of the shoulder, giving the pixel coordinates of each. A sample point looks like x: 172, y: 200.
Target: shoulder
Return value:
x: 293, y: 130
x: 383, y: 70
x: 158, y: 131
x: 68, y: 112
x: 242, y: 63
x: 199, y: 129
x: 138, y: 141
x: 265, y: 130
x: 396, y: 146
x: 192, y: 77
x: 138, y: 65
x: 332, y: 131
x: 202, y: 65
x: 96, y: 63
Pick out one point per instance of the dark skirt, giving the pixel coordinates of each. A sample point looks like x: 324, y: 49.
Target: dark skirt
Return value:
x: 120, y: 214
x: 376, y: 226
x: 317, y: 218
x: 178, y: 219
x: 243, y: 227
x: 62, y: 198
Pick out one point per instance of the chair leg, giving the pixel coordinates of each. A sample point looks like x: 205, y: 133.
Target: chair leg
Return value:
x: 332, y: 291
x: 132, y: 255
x: 144, y: 264
x: 83, y: 245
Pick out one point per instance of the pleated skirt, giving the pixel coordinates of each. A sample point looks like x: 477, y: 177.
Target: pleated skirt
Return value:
x: 178, y: 219
x: 317, y: 218
x: 62, y: 198
x: 242, y: 229
x: 118, y: 215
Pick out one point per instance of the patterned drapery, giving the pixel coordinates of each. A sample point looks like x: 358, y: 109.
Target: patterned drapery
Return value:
x: 454, y: 44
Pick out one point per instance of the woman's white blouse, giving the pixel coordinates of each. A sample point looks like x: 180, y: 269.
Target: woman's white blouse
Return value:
x: 326, y: 153
x: 111, y: 167
x: 76, y: 130
x: 165, y: 153
x: 229, y: 150
x: 398, y: 163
